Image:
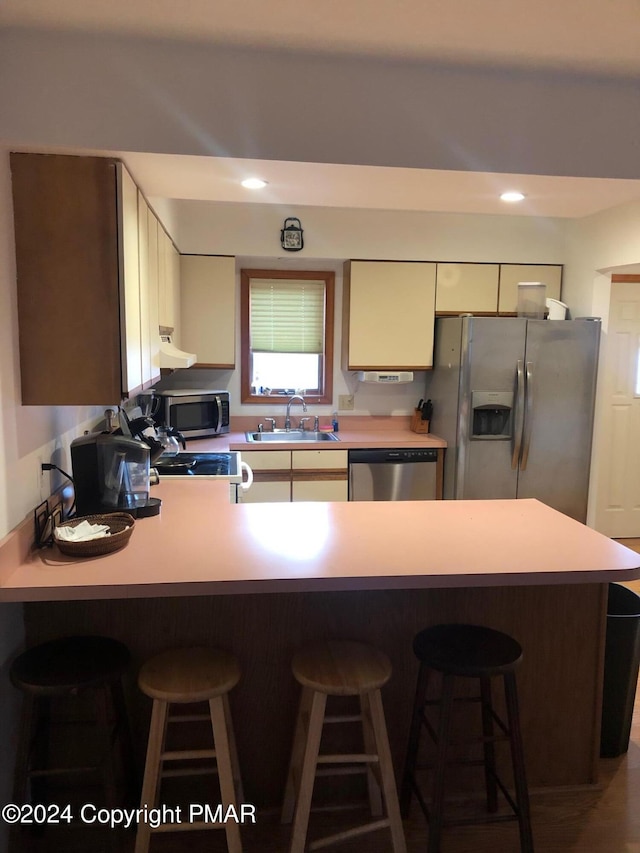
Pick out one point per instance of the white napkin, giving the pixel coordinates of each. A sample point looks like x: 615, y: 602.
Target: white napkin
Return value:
x: 82, y: 532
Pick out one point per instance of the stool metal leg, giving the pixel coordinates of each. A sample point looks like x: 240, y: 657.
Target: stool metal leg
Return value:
x: 517, y: 757
x: 413, y: 745
x: 307, y: 775
x: 225, y: 771
x: 386, y: 772
x: 489, y: 746
x: 152, y: 770
x: 436, y: 817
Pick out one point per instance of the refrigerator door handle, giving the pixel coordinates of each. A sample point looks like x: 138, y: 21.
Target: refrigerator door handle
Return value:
x: 527, y: 417
x: 518, y: 424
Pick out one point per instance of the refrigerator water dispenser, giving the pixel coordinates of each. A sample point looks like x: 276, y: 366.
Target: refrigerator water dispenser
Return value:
x: 491, y: 415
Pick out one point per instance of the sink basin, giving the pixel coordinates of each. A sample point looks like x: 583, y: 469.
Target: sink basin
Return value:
x: 293, y: 435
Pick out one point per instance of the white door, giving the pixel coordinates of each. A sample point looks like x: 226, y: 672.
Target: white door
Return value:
x: 618, y: 491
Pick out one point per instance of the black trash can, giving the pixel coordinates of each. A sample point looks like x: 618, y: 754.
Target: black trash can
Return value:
x: 621, y: 659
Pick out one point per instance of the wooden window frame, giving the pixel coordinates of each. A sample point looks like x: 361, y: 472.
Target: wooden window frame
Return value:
x: 326, y: 276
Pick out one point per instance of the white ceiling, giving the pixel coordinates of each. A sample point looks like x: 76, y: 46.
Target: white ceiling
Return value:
x: 385, y: 188
x: 570, y: 34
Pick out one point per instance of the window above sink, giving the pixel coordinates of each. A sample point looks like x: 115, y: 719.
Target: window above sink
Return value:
x: 287, y: 335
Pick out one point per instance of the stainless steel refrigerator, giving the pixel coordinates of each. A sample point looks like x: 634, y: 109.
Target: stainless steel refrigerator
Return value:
x: 514, y: 399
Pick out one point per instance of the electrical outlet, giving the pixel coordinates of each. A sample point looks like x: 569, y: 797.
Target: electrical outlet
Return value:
x: 345, y: 402
x: 41, y: 479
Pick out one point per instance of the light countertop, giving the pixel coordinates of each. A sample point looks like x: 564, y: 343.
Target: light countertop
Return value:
x: 355, y: 432
x: 201, y: 544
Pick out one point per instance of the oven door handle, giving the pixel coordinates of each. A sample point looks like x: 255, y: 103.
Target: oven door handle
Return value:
x: 246, y: 484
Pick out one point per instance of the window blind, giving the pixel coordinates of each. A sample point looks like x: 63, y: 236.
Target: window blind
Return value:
x: 287, y: 316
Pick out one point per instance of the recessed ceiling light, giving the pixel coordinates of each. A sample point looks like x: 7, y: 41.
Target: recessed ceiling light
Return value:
x: 254, y: 183
x: 512, y: 195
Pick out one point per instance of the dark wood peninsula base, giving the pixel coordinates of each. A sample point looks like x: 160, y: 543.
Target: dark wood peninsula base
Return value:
x: 561, y: 628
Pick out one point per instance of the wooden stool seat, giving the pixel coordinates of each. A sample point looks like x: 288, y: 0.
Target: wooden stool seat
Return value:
x: 58, y: 671
x: 337, y: 669
x: 189, y: 675
x: 341, y: 668
x: 186, y: 676
x: 468, y: 652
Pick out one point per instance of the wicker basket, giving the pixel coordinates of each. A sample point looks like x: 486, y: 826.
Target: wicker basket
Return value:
x: 120, y: 524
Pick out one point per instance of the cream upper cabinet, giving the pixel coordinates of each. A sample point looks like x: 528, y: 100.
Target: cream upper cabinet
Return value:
x: 168, y: 284
x: 208, y: 309
x: 462, y: 288
x: 511, y: 274
x: 148, y: 251
x: 130, y: 281
x: 388, y: 315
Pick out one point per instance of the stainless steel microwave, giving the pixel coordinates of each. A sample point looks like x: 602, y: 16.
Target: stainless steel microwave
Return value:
x: 196, y: 413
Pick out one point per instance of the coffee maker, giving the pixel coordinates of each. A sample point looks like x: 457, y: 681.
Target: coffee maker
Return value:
x: 111, y: 474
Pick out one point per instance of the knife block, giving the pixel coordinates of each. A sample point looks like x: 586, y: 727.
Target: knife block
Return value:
x: 417, y: 424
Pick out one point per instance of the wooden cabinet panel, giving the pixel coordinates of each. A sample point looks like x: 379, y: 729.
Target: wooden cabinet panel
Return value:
x: 388, y: 315
x: 319, y: 490
x: 208, y: 309
x: 511, y: 274
x: 69, y: 307
x: 462, y: 288
x: 87, y: 308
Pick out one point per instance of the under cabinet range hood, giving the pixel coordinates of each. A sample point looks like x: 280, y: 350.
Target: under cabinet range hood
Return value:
x: 172, y: 357
x: 396, y: 377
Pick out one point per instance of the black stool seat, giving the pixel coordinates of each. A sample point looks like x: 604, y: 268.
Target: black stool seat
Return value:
x: 57, y: 672
x: 69, y: 664
x: 469, y: 651
x: 446, y: 653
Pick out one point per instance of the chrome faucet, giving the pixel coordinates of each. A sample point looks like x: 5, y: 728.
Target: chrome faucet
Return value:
x: 287, y: 420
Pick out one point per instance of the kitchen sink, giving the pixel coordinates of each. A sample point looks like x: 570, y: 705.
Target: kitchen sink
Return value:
x: 292, y: 435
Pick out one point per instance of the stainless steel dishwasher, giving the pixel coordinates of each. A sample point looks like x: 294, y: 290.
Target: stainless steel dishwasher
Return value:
x: 393, y: 475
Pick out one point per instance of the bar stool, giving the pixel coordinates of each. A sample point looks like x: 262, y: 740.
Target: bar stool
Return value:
x: 185, y: 676
x: 341, y: 669
x: 64, y: 668
x: 467, y: 651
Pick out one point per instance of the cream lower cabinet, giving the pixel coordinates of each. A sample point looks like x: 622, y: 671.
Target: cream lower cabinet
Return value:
x: 281, y: 476
x: 271, y: 476
x: 319, y: 475
x: 388, y: 314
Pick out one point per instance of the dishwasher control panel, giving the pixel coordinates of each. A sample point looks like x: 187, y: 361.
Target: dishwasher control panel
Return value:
x: 380, y: 455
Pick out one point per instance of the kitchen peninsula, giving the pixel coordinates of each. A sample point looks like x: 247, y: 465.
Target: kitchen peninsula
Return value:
x: 264, y: 579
